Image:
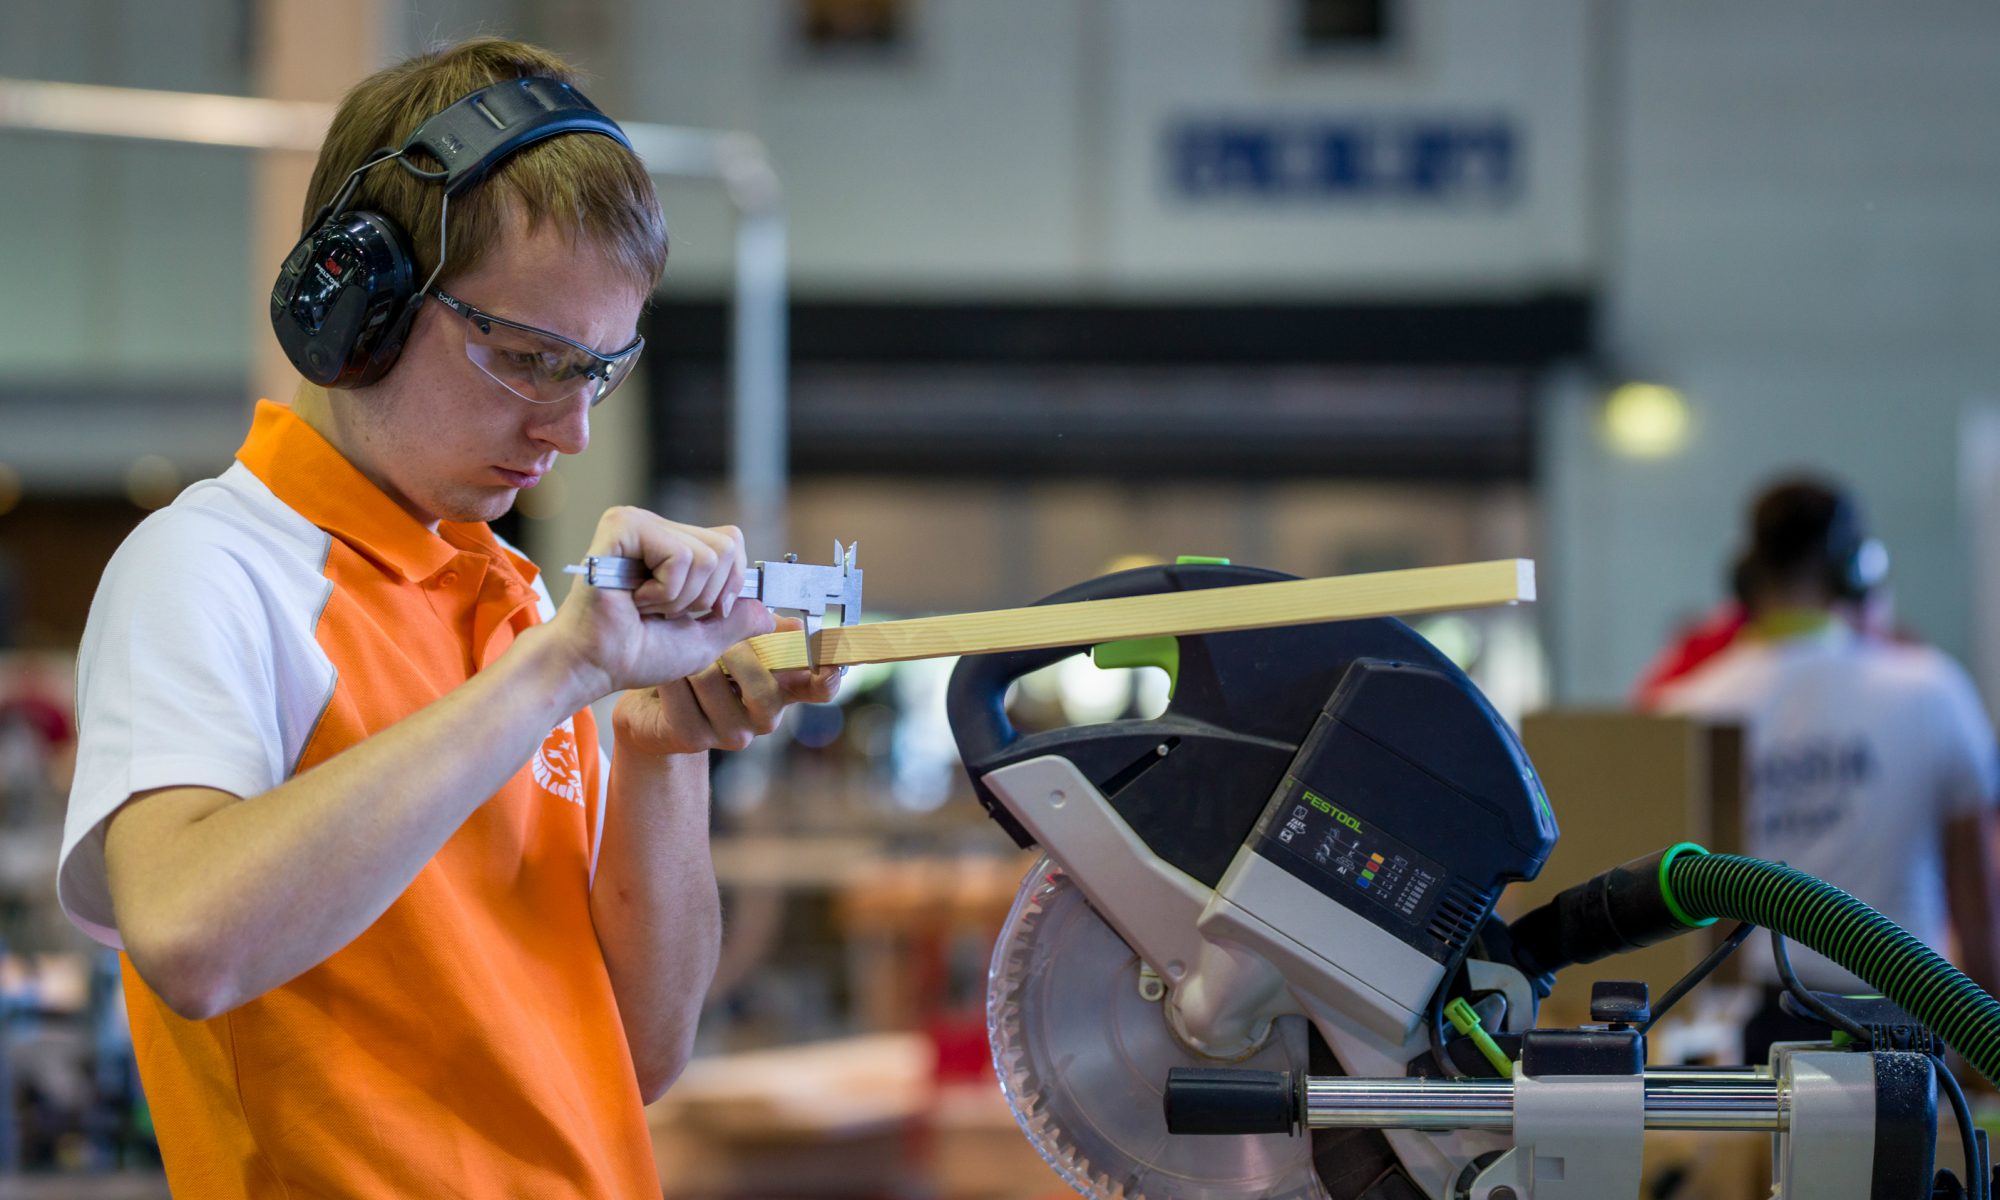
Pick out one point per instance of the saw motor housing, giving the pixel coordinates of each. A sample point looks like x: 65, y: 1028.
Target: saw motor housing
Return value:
x: 1337, y: 800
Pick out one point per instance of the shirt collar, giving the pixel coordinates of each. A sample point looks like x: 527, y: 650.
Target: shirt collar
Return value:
x: 316, y: 481
x: 1790, y: 624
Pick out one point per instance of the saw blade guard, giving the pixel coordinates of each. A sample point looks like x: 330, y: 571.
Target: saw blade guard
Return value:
x: 1082, y: 1048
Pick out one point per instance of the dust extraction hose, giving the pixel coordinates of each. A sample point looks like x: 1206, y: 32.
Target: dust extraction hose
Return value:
x: 1815, y: 913
x: 1685, y: 887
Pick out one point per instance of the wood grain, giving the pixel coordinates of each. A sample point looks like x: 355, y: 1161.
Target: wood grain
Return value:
x: 1164, y: 614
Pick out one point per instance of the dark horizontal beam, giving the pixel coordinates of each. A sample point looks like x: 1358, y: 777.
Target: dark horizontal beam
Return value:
x: 1530, y: 332
x: 1116, y: 420
x: 1052, y: 389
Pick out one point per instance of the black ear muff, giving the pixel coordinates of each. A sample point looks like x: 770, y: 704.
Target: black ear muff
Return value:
x: 344, y: 298
x: 1855, y: 561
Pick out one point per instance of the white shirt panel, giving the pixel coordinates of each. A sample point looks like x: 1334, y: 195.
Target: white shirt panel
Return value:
x: 1859, y: 753
x: 199, y: 666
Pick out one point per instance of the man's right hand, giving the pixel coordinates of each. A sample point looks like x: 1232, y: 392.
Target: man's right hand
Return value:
x: 647, y: 637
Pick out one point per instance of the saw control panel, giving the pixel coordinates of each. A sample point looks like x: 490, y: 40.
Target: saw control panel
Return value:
x: 1347, y: 854
x: 1410, y: 805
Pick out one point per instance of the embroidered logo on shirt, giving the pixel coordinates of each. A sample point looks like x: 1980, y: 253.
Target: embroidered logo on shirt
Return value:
x: 557, y: 768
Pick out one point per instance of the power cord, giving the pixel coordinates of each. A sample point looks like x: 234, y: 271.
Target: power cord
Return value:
x: 1701, y: 970
x: 1805, y: 999
x: 1980, y: 1187
x: 1446, y: 1068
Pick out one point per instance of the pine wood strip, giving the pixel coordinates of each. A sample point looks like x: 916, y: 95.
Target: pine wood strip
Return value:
x: 1166, y: 614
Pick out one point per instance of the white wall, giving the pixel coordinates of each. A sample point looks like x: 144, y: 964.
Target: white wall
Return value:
x: 1523, y: 63
x: 1022, y: 146
x: 1019, y: 147
x: 1807, y: 230
x: 120, y: 260
x: 128, y: 299
x: 958, y: 161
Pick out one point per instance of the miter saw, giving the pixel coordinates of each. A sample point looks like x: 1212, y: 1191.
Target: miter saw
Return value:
x: 1260, y: 958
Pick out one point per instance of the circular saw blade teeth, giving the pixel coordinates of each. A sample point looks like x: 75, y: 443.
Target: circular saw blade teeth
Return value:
x: 1082, y: 1058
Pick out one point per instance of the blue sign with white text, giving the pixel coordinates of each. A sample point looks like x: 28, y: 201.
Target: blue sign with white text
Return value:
x: 1430, y: 160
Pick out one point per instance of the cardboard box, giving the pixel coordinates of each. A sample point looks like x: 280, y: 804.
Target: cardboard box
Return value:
x: 1623, y: 785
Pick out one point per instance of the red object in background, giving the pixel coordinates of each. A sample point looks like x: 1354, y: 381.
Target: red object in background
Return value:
x: 964, y: 1058
x: 963, y: 1051
x: 1696, y: 645
x: 44, y: 716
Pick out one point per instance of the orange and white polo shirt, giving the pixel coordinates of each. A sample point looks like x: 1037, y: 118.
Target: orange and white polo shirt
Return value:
x: 468, y: 1043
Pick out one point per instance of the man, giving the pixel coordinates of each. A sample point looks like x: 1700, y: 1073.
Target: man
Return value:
x: 1872, y: 763
x: 391, y: 927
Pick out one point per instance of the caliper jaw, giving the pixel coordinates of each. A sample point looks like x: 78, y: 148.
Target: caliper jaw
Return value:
x: 808, y: 589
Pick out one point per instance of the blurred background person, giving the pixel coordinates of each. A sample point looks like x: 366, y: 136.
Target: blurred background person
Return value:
x: 1871, y: 762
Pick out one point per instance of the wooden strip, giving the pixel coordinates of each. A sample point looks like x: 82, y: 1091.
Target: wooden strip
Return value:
x: 1164, y: 614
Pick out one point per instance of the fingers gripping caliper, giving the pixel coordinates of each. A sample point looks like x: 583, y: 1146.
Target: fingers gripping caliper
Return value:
x: 808, y: 589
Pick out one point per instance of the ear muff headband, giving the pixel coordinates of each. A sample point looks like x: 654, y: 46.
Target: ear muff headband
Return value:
x: 475, y: 134
x: 347, y: 293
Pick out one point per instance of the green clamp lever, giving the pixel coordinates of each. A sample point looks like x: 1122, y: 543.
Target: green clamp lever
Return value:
x: 1161, y: 652
x: 1465, y: 1019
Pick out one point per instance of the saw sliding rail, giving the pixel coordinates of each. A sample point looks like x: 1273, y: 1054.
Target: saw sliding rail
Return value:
x: 1744, y: 1101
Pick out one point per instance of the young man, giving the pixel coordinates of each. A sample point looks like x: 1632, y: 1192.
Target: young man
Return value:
x: 390, y: 928
x: 1872, y: 763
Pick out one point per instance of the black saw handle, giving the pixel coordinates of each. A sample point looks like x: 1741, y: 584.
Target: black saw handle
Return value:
x: 1221, y: 689
x: 977, y: 696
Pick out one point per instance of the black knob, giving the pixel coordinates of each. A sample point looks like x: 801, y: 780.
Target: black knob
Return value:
x: 1620, y: 1002
x: 1220, y: 1100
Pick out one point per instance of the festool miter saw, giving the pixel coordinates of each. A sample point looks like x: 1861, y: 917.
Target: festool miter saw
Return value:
x: 1260, y: 958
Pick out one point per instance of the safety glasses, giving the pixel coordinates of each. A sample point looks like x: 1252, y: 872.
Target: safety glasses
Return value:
x: 539, y: 366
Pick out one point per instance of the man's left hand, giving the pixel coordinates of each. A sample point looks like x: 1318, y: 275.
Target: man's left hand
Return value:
x: 723, y: 706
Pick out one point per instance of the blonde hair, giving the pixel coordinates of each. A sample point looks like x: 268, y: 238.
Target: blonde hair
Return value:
x: 594, y: 189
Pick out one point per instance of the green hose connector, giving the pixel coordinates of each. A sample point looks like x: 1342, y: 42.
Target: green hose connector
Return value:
x: 1816, y: 914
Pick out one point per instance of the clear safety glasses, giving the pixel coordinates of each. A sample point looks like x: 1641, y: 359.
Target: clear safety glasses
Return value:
x: 539, y: 366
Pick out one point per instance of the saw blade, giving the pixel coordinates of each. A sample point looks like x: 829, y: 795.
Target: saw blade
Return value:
x: 1083, y: 1058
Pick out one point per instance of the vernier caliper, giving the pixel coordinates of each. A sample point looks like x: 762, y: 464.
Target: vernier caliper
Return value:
x: 807, y: 589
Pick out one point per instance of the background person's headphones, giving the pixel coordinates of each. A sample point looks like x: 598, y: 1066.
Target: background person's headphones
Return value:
x: 1807, y: 524
x: 347, y: 292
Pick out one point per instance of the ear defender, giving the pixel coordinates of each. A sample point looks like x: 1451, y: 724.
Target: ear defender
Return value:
x: 1856, y: 562
x: 344, y: 300
x: 347, y: 293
